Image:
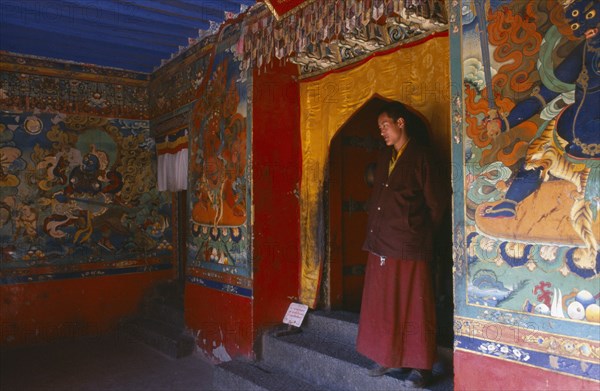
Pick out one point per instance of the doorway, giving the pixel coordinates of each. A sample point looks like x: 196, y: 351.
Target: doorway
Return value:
x: 352, y: 157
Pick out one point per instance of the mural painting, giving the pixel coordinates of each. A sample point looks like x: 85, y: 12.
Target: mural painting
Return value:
x: 78, y: 190
x: 175, y: 84
x: 219, y: 178
x: 532, y: 176
x: 31, y: 83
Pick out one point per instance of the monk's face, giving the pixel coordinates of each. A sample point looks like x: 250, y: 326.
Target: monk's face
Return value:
x: 391, y: 131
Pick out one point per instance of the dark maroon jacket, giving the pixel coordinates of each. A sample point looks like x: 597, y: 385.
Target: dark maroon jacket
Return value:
x: 406, y: 208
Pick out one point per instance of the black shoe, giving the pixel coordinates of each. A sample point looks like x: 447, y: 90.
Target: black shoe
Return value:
x: 418, y: 378
x: 378, y: 370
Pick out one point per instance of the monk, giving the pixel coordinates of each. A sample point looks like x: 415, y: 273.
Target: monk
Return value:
x: 397, y: 320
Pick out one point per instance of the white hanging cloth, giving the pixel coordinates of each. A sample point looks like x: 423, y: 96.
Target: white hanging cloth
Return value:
x: 172, y: 170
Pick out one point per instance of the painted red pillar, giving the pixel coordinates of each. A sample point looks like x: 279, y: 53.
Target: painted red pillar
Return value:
x: 277, y: 165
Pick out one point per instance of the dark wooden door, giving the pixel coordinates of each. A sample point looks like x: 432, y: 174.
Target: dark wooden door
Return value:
x: 353, y: 153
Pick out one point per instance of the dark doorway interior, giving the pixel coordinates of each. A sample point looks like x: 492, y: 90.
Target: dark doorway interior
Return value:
x: 352, y: 157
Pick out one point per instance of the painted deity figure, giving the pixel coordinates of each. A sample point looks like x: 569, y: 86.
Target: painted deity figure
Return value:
x: 26, y: 222
x: 567, y: 146
x: 84, y: 179
x: 85, y: 201
x: 221, y: 189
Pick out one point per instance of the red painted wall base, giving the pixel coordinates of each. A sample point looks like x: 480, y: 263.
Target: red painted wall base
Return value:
x: 221, y: 322
x: 478, y: 373
x: 43, y: 311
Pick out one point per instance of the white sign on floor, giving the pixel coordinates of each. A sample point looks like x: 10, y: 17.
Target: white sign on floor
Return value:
x: 295, y: 314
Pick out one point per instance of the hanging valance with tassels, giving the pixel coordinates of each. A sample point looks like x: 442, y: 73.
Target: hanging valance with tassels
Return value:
x: 320, y: 35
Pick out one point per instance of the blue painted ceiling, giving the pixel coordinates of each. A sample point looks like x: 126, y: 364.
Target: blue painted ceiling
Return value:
x: 128, y: 34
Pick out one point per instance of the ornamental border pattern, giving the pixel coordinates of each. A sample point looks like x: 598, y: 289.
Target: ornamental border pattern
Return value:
x: 34, y: 84
x: 527, y: 336
x: 32, y: 62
